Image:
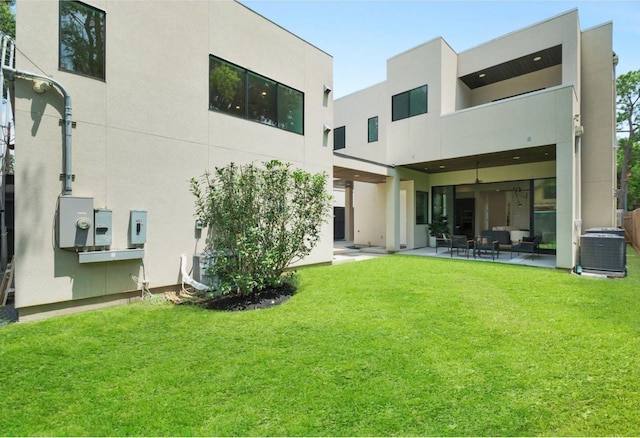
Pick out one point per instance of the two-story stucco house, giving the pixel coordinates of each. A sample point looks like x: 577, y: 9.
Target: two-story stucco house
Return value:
x: 118, y: 103
x: 515, y: 134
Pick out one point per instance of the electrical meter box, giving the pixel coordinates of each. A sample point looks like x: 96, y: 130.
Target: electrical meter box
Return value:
x: 74, y: 227
x: 102, y: 227
x: 137, y: 228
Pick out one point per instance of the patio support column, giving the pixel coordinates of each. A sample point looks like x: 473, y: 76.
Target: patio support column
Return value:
x: 565, y: 214
x: 393, y: 211
x: 348, y: 214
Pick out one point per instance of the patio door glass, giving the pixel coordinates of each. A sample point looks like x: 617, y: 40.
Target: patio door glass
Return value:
x: 544, y: 212
x: 443, y: 202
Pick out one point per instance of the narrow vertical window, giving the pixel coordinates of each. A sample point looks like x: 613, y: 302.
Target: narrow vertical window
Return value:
x: 82, y: 39
x: 339, y: 138
x: 372, y: 129
x: 422, y: 207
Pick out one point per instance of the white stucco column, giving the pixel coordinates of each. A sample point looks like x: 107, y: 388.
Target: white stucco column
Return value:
x: 348, y: 214
x: 565, y: 205
x: 393, y: 211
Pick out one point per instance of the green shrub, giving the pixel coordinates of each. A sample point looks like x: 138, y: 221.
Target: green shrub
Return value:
x: 260, y: 220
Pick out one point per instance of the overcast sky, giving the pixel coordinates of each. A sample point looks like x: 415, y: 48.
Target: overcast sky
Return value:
x: 361, y: 35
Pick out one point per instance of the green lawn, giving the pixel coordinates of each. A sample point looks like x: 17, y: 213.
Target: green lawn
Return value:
x: 397, y: 345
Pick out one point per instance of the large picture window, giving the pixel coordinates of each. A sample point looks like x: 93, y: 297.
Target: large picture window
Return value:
x: 410, y: 103
x: 239, y: 92
x: 82, y: 39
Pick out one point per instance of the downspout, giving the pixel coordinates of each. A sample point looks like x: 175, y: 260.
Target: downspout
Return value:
x: 41, y: 87
x: 578, y: 131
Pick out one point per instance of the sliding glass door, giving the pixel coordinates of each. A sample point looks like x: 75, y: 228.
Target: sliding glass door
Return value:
x: 544, y: 212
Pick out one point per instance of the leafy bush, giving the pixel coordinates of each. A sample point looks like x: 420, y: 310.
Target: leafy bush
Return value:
x: 260, y: 220
x: 438, y: 226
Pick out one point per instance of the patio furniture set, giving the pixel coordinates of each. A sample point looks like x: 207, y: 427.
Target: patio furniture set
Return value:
x: 488, y: 243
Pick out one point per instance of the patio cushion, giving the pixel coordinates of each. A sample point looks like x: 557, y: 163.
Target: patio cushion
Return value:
x: 503, y: 237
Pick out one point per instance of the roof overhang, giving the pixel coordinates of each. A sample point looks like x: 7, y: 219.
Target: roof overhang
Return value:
x: 495, y: 159
x: 516, y: 67
x: 347, y: 169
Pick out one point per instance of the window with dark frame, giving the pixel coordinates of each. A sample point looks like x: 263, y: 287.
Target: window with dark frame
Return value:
x: 240, y: 92
x: 81, y: 39
x: 339, y: 138
x: 422, y: 208
x: 410, y: 103
x: 372, y: 129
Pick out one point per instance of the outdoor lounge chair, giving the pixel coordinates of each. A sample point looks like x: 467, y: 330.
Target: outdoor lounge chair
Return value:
x: 443, y: 241
x: 527, y: 245
x: 486, y: 244
x: 461, y: 242
x: 503, y: 237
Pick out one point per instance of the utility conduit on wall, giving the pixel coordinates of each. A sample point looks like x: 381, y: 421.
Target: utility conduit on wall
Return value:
x: 11, y: 74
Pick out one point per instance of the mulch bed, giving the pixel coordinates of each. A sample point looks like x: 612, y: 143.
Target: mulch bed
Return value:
x: 260, y: 300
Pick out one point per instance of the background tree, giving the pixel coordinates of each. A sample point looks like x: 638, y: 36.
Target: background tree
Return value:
x: 633, y: 173
x: 7, y: 19
x: 628, y: 117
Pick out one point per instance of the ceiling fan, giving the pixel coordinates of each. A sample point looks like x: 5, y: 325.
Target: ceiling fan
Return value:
x: 521, y: 195
x: 477, y: 179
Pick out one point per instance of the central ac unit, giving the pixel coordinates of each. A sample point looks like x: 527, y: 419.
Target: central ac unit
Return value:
x: 603, y: 252
x: 202, y: 264
x: 605, y: 230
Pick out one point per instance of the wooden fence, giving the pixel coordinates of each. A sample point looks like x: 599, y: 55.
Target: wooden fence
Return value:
x: 632, y: 228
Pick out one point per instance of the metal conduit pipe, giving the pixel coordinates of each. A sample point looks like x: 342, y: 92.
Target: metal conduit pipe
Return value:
x: 11, y: 74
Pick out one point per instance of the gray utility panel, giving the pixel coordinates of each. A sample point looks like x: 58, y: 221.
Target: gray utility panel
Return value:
x: 137, y: 228
x: 74, y: 227
x: 102, y: 228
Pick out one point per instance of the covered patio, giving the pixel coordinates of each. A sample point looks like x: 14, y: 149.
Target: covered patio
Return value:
x: 346, y: 251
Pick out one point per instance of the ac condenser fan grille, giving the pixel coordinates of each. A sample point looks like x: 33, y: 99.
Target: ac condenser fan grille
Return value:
x: 602, y: 252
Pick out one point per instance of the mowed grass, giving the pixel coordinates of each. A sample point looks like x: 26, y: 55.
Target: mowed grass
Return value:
x: 395, y: 346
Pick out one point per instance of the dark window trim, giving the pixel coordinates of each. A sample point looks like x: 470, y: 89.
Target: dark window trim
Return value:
x: 245, y: 116
x: 422, y: 197
x: 104, y: 52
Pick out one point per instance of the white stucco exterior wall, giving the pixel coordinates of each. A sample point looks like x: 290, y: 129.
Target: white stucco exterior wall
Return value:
x: 144, y: 132
x: 599, y: 177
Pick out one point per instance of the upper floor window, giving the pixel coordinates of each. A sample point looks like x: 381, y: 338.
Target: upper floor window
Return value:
x: 372, y: 128
x: 339, y: 138
x: 82, y: 39
x: 409, y: 104
x: 243, y: 93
